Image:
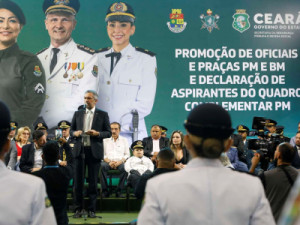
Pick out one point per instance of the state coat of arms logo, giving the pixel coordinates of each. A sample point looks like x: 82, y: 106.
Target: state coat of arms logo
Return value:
x: 241, y: 20
x: 209, y: 22
x: 176, y: 24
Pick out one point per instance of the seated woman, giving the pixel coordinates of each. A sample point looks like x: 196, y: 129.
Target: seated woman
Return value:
x: 177, y: 146
x: 22, y: 85
x: 22, y: 139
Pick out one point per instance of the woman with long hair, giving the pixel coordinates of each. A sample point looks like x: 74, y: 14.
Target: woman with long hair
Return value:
x: 178, y: 147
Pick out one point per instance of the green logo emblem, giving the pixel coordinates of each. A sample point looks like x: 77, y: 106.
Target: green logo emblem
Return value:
x: 241, y: 20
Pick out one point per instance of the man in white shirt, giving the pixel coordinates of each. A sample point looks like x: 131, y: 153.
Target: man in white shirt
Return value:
x: 205, y: 192
x: 116, y: 151
x: 32, y: 207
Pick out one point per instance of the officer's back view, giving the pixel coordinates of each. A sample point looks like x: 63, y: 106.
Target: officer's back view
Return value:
x: 23, y: 197
x: 205, y: 192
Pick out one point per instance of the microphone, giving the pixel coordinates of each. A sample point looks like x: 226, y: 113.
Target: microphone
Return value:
x: 135, y: 124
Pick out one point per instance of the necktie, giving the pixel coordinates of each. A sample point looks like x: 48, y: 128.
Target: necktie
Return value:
x: 88, y: 120
x: 54, y: 59
x: 86, y: 140
x: 112, y: 55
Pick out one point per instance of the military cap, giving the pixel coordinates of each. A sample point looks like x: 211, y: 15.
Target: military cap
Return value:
x: 69, y: 6
x: 5, y: 118
x: 64, y: 124
x: 120, y: 11
x: 163, y: 129
x: 41, y: 126
x: 270, y: 122
x: 242, y: 128
x: 13, y: 125
x: 137, y: 144
x: 209, y: 121
x: 15, y: 9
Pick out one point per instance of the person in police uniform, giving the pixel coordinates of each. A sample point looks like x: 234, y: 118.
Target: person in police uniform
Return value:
x: 70, y: 68
x: 22, y: 76
x: 64, y: 125
x: 19, y: 207
x: 127, y: 74
x: 206, y: 192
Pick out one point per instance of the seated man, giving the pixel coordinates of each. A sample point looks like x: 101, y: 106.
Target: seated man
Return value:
x: 57, y: 178
x: 116, y: 151
x: 155, y: 142
x: 138, y: 164
x: 165, y: 163
x: 31, y: 158
x: 279, y: 181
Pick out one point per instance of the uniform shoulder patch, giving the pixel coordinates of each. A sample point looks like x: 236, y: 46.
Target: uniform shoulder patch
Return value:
x: 146, y: 51
x: 103, y: 49
x: 41, y: 51
x: 86, y: 49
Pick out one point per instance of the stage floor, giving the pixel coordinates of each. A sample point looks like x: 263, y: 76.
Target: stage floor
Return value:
x: 107, y: 218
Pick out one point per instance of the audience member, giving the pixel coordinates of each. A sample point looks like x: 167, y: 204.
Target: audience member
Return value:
x: 138, y: 164
x: 164, y: 131
x: 205, y: 192
x: 31, y: 158
x: 65, y: 129
x: 155, y: 142
x: 225, y: 161
x: 165, y: 163
x: 182, y: 155
x: 23, y: 197
x: 11, y: 156
x: 271, y: 126
x: 57, y: 178
x: 116, y: 151
x: 22, y: 139
x: 239, y: 145
x: 279, y: 181
x: 296, y: 158
x: 293, y: 139
x: 42, y: 126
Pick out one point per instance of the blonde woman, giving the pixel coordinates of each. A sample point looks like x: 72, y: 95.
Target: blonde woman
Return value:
x: 22, y: 139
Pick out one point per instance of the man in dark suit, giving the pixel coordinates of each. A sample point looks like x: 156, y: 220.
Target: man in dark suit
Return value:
x: 31, y: 158
x: 155, y: 142
x: 90, y: 126
x: 57, y: 178
x: 296, y: 159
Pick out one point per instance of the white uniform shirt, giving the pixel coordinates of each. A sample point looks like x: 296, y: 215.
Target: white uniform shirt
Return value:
x: 205, y: 192
x: 139, y: 164
x: 132, y: 85
x: 116, y: 150
x: 65, y: 94
x: 23, y: 199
